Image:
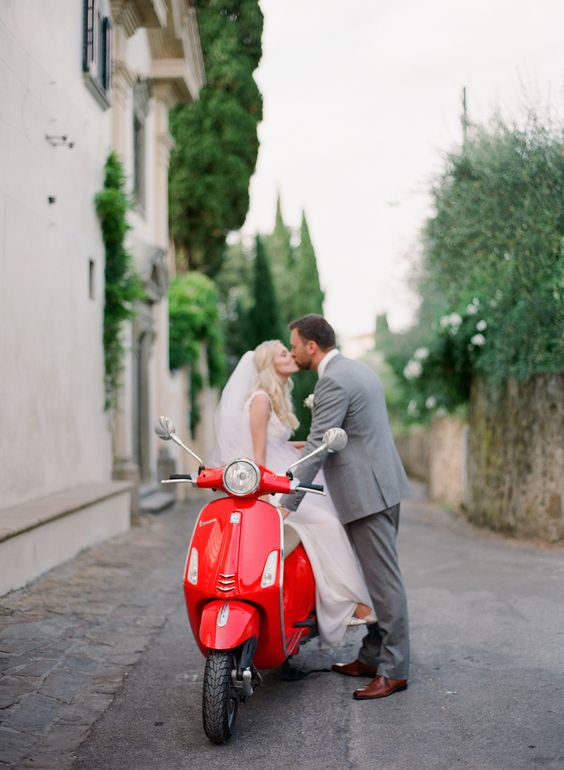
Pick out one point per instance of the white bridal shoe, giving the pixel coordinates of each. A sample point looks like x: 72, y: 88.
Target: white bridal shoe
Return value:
x: 354, y: 621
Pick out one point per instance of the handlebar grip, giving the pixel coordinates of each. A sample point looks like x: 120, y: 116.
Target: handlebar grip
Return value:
x: 314, y: 487
x: 180, y: 476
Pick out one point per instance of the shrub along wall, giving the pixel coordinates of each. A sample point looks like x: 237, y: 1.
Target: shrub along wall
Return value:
x: 516, y: 457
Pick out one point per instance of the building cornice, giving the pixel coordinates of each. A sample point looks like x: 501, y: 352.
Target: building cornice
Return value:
x: 132, y: 14
x: 177, y: 53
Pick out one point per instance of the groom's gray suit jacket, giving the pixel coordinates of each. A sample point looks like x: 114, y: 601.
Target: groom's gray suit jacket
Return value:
x: 367, y: 476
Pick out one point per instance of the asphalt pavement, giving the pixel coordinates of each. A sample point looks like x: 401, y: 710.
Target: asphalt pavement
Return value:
x: 100, y: 670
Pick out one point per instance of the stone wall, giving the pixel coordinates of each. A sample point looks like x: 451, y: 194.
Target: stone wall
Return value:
x: 516, y: 457
x: 506, y: 468
x: 447, y: 460
x: 437, y: 456
x: 413, y: 447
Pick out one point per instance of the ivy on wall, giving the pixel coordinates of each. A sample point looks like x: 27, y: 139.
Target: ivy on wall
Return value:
x: 122, y: 286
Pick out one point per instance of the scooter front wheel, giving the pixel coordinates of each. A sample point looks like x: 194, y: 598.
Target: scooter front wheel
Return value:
x: 219, y: 705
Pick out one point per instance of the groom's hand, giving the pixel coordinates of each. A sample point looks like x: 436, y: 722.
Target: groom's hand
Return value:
x: 284, y: 511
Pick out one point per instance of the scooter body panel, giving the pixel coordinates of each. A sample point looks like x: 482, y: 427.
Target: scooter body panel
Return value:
x: 299, y: 597
x: 227, y: 624
x: 233, y: 538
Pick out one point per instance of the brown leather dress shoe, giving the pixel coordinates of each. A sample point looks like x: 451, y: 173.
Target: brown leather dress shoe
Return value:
x: 380, y: 687
x: 356, y: 668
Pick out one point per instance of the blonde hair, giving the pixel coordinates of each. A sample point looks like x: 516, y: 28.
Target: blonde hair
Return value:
x: 269, y: 381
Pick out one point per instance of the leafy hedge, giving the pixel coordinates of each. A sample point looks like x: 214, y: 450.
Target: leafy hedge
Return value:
x: 193, y: 320
x: 494, y: 255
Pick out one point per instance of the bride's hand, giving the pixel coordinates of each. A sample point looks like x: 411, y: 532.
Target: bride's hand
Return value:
x: 297, y: 444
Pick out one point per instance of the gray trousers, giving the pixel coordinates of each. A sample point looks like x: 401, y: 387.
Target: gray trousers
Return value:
x: 386, y: 644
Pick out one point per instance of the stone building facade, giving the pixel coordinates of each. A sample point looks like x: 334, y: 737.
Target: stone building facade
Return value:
x: 77, y: 79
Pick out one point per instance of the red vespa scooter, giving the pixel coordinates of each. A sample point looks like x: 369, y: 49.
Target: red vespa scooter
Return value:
x: 249, y: 608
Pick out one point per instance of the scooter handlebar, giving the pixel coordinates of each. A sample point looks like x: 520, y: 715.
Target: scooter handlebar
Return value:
x: 179, y: 478
x: 212, y: 478
x: 312, y: 487
x: 317, y: 489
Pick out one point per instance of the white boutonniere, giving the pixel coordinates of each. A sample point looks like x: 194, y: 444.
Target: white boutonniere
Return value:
x: 309, y: 401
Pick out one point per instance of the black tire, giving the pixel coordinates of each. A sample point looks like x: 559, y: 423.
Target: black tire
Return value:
x: 219, y: 704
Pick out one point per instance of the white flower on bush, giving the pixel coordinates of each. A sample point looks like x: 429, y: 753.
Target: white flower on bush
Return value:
x: 412, y: 408
x: 478, y: 340
x: 421, y: 354
x: 431, y: 402
x: 308, y: 401
x: 441, y: 412
x: 476, y: 302
x: 412, y: 370
x: 481, y: 326
x: 453, y: 320
x: 471, y: 309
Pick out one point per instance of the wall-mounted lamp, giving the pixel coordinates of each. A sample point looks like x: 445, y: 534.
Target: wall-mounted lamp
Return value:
x: 59, y: 141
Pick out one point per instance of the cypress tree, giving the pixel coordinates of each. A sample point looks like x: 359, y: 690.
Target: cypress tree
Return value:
x: 281, y: 257
x: 216, y: 142
x: 308, y: 295
x: 234, y: 285
x: 265, y: 322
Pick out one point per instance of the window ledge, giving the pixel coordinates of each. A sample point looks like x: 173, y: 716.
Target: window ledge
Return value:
x: 97, y: 91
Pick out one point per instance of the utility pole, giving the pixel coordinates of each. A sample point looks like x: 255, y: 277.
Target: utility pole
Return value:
x: 464, y: 118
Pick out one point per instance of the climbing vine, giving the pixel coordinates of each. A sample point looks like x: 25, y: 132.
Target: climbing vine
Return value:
x: 122, y: 286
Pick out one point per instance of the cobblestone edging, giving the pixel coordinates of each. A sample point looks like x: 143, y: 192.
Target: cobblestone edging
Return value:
x: 68, y: 640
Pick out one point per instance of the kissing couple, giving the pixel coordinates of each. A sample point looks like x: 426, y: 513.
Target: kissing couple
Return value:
x: 349, y: 535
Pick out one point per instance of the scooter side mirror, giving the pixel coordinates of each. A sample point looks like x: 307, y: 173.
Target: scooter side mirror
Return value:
x: 164, y: 428
x: 335, y: 439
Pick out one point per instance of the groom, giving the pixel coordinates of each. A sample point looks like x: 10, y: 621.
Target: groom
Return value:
x: 366, y: 481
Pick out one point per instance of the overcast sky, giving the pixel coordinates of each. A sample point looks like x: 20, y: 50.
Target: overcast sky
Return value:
x: 362, y: 98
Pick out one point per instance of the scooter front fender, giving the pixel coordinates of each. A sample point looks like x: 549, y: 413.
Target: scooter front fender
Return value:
x: 227, y: 624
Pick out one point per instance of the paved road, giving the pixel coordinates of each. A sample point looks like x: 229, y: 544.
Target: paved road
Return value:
x: 486, y: 688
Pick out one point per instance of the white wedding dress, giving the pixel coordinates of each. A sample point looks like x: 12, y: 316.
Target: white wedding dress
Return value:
x: 338, y: 579
x: 339, y: 582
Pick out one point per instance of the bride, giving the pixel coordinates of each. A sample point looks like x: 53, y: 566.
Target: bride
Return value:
x: 255, y: 419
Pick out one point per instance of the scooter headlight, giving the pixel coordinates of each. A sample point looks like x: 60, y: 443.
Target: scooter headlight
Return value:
x: 241, y: 478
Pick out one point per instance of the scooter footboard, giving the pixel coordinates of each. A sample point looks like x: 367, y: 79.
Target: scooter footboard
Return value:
x: 227, y: 624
